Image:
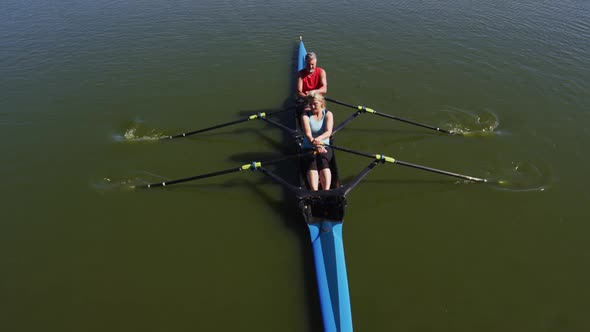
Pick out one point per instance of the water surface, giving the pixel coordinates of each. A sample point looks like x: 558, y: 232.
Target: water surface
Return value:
x: 87, y: 86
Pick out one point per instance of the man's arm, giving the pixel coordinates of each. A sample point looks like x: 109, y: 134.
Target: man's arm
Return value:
x: 324, y: 82
x: 300, y: 87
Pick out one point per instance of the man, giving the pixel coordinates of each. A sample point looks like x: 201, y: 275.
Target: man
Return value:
x: 312, y: 78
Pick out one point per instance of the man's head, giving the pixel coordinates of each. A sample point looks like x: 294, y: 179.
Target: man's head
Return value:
x: 310, y: 62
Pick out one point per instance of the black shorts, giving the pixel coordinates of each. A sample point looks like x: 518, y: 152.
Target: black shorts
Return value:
x: 318, y: 161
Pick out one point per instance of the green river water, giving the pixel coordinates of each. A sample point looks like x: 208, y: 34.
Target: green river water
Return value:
x: 87, y: 87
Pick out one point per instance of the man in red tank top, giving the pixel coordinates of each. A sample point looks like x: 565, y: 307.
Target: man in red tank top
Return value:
x: 312, y: 78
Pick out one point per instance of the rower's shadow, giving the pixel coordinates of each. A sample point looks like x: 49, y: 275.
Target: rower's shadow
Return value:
x: 287, y: 205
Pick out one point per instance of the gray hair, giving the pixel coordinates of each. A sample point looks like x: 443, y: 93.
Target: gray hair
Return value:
x: 310, y: 56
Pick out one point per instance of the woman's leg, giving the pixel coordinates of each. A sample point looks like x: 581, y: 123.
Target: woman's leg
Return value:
x: 323, y: 162
x: 313, y: 179
x: 311, y: 167
x: 326, y: 178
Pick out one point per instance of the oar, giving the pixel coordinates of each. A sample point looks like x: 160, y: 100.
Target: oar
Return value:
x: 252, y: 166
x: 260, y: 115
x: 384, y: 159
x: 364, y: 109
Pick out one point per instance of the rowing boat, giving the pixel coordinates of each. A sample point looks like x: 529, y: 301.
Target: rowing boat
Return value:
x: 324, y: 216
x: 322, y: 210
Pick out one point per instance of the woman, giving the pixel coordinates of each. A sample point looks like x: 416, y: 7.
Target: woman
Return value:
x: 317, y: 126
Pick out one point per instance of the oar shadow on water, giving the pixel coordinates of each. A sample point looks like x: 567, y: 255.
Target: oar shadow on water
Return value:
x: 285, y: 207
x: 285, y: 170
x: 276, y: 145
x: 255, y: 185
x: 261, y: 133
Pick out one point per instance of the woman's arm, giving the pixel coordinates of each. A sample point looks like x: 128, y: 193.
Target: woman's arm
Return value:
x: 306, y: 127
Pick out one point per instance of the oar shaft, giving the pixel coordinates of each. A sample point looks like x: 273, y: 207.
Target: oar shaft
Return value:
x: 349, y: 186
x: 208, y: 128
x: 345, y: 122
x: 340, y: 103
x: 434, y: 170
x: 412, y: 122
x: 358, y: 153
x: 260, y: 115
x: 363, y: 109
x: 279, y: 125
x: 196, y: 177
x: 383, y: 158
x: 252, y: 166
x: 280, y: 180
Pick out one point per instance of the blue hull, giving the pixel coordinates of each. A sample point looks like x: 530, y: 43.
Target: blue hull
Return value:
x: 301, y: 56
x: 328, y: 251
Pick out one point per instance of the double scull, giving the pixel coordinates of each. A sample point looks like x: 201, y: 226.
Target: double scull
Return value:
x: 323, y: 210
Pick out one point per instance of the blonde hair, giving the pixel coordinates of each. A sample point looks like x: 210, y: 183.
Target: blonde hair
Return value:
x: 315, y: 96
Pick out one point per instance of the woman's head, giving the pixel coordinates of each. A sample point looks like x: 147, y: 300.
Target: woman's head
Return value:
x: 316, y: 99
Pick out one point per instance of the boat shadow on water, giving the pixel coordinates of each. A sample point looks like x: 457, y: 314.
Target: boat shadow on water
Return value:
x: 287, y: 204
x: 323, y: 262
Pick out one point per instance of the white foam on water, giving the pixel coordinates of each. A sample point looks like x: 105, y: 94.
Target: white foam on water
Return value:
x: 523, y: 176
x: 472, y: 123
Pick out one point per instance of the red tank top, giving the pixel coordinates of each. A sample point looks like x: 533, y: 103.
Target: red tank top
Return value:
x: 313, y: 81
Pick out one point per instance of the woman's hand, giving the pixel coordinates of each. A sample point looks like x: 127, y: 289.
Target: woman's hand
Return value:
x: 321, y: 149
